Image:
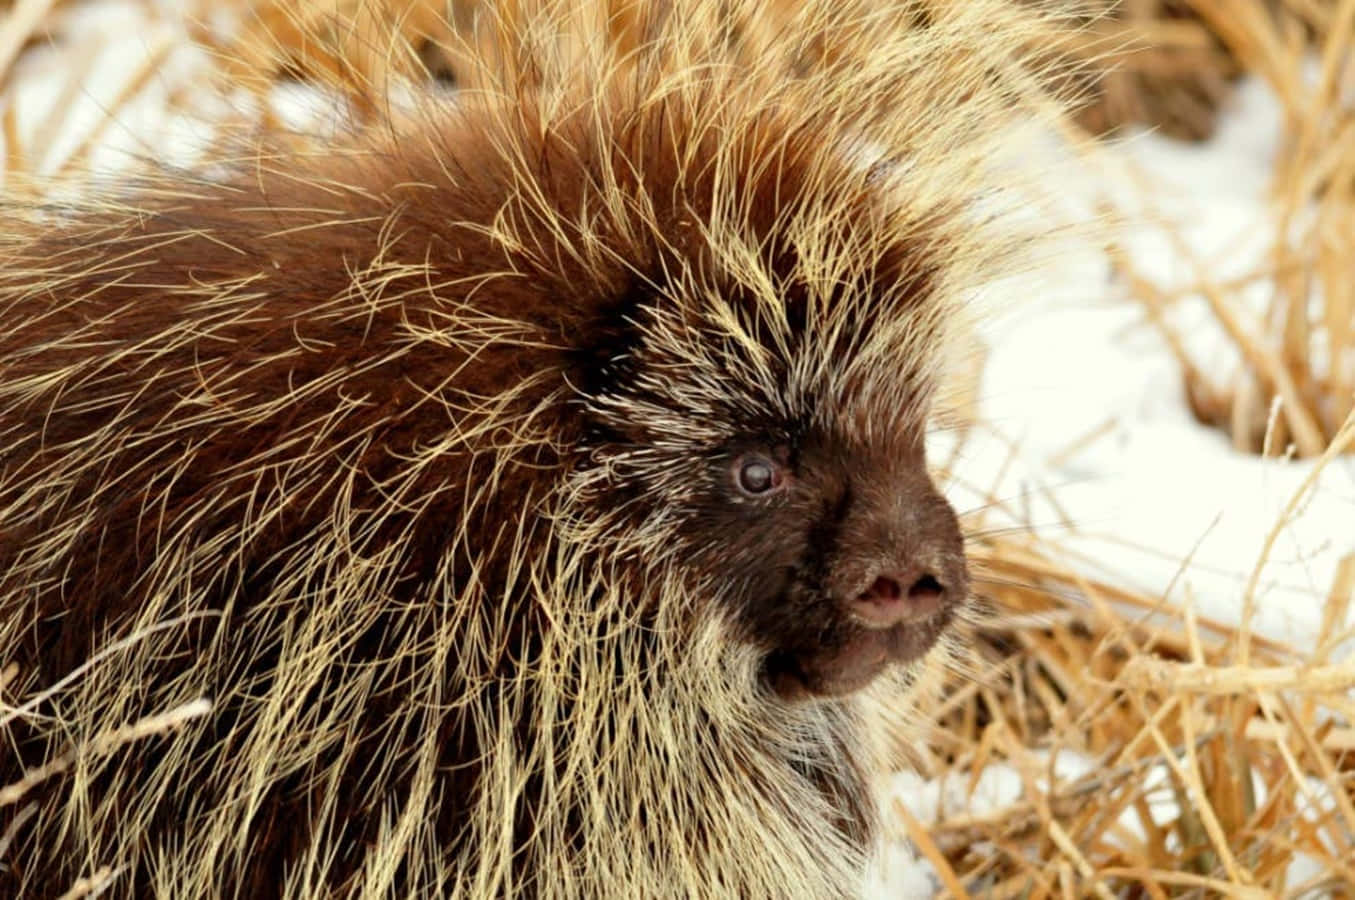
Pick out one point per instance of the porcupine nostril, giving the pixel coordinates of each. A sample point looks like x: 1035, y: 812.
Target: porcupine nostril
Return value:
x: 926, y: 590
x: 885, y: 589
x: 886, y: 603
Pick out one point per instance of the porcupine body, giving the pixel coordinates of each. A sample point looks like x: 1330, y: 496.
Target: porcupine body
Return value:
x: 536, y: 490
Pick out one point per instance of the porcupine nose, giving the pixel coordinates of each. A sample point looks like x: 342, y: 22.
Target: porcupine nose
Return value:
x: 895, y: 598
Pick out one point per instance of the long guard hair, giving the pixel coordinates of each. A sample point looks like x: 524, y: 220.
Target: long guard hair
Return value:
x: 353, y: 525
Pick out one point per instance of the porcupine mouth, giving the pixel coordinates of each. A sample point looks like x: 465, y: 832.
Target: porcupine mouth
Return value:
x: 852, y: 664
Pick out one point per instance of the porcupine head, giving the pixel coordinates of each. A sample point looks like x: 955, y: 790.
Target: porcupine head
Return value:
x: 545, y: 481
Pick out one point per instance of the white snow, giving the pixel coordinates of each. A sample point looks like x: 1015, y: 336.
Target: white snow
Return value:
x: 1083, y: 401
x: 106, y: 47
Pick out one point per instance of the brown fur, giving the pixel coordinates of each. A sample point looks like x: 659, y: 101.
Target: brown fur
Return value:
x: 414, y: 458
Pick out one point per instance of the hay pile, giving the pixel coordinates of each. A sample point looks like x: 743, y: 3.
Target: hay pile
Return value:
x: 1105, y: 742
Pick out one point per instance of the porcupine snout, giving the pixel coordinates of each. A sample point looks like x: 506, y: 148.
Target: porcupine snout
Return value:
x: 887, y: 602
x: 900, y: 569
x: 900, y: 553
x: 893, y: 577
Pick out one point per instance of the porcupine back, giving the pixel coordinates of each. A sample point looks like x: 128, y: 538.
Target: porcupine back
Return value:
x: 331, y: 442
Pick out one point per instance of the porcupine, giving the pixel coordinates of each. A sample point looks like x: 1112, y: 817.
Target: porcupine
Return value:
x: 536, y: 489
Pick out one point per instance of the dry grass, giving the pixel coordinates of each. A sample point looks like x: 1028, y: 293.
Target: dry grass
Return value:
x: 1217, y: 758
x: 1251, y: 745
x: 1298, y: 351
x: 1150, y: 62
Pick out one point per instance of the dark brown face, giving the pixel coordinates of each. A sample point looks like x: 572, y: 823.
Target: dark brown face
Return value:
x: 842, y: 560
x: 771, y: 445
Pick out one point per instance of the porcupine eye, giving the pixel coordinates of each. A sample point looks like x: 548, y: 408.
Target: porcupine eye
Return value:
x: 757, y: 475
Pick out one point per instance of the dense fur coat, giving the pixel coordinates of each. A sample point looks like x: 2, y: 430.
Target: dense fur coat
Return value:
x: 510, y: 485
